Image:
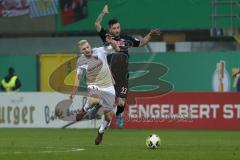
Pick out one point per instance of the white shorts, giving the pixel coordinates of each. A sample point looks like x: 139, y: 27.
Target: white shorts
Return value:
x: 107, y: 96
x: 110, y: 89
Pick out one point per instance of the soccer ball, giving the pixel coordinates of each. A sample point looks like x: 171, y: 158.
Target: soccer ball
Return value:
x: 153, y: 141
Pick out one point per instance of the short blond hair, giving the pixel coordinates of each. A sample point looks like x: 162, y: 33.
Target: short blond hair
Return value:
x: 81, y: 42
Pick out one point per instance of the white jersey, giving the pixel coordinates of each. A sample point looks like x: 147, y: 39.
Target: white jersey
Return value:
x: 97, y: 69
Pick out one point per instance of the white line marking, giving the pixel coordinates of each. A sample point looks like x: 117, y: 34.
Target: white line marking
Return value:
x: 72, y: 150
x: 50, y: 151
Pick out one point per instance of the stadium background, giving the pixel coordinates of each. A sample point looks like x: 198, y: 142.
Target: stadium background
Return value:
x: 196, y: 36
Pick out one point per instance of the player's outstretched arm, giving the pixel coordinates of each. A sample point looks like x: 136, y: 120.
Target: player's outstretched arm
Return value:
x: 100, y: 18
x: 147, y: 38
x: 76, y: 84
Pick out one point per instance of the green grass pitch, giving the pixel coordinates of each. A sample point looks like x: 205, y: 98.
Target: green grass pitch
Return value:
x: 118, y: 144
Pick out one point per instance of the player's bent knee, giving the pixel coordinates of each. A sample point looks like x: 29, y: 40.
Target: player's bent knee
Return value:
x: 121, y: 101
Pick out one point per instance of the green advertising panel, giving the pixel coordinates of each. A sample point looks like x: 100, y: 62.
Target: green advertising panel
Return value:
x: 187, y: 72
x: 146, y: 14
x: 25, y: 67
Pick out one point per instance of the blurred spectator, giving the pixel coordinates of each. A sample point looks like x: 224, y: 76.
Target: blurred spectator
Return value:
x: 236, y: 76
x: 11, y: 82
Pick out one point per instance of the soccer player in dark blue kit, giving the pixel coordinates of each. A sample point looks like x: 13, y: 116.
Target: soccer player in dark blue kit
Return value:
x: 119, y: 62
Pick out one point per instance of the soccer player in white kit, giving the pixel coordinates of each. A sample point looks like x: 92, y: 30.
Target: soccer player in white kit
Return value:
x: 99, y: 80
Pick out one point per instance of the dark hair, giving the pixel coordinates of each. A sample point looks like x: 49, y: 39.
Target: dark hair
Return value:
x: 11, y: 70
x: 112, y: 22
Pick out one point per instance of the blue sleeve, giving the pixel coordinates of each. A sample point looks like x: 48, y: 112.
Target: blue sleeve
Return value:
x: 135, y: 41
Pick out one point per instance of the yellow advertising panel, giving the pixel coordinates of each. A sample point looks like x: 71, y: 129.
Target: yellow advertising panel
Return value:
x: 57, y: 71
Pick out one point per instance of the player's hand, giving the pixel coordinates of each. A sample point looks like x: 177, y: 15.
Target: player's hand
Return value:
x: 105, y: 9
x: 155, y: 32
x: 109, y: 39
x: 112, y: 42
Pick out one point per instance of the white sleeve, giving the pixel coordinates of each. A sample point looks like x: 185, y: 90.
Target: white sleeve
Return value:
x: 107, y: 50
x: 80, y: 69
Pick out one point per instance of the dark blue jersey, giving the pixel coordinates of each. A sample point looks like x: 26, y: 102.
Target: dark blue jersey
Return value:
x: 123, y: 41
x: 119, y: 62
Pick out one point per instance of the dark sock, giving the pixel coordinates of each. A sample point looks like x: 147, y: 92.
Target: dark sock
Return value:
x: 120, y: 109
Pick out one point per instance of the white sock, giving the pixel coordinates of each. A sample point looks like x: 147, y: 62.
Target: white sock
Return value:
x: 103, y: 126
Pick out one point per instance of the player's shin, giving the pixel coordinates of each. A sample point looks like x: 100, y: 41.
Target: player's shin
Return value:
x: 106, y: 122
x: 120, y: 109
x: 103, y: 126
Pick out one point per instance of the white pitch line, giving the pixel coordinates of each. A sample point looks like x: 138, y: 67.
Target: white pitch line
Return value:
x: 62, y: 151
x: 72, y: 150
